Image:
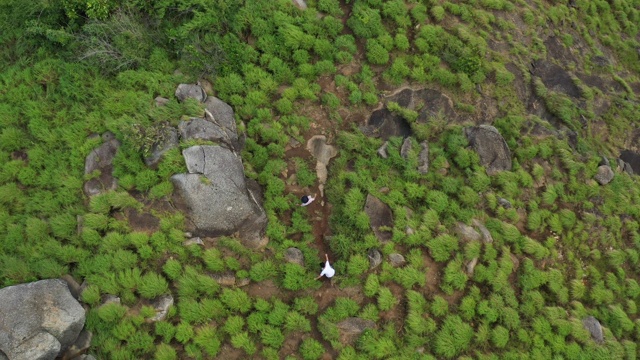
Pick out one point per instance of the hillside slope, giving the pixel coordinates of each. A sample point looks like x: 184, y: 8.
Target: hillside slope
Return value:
x: 460, y: 259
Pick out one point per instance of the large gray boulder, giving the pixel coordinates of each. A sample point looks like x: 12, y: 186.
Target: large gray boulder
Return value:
x: 38, y: 320
x: 494, y: 153
x: 380, y: 216
x: 216, y: 195
x: 100, y: 160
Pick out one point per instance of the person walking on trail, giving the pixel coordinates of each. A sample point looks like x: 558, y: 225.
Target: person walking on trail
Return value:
x: 307, y: 199
x: 327, y: 271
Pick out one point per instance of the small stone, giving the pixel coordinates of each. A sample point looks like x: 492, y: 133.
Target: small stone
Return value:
x: 351, y: 328
x: 160, y: 101
x: 107, y: 299
x: 187, y: 91
x: 224, y: 279
x: 593, y: 326
x: 504, y: 203
x: 242, y: 282
x: 486, y: 235
x: 193, y: 241
x: 375, y: 258
x: 406, y: 148
x: 604, y: 175
x: 161, y: 305
x: 409, y: 231
x: 382, y: 151
x: 294, y: 256
x: 396, y: 259
x: 467, y: 233
x: 471, y: 266
x: 423, y: 158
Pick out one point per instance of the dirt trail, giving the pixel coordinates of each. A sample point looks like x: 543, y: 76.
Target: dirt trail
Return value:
x: 319, y: 210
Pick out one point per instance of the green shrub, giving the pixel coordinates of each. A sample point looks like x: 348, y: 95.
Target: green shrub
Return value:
x: 409, y: 276
x: 438, y: 13
x: 165, y: 330
x: 358, y: 265
x: 376, y: 53
x: 172, y: 268
x: 439, y: 306
x: 331, y: 7
x: 386, y: 299
x: 305, y: 305
x: 453, y: 337
x: 442, y: 246
x: 111, y: 312
x: 165, y: 352
x: 234, y: 325
x: 243, y: 341
x: 467, y: 308
x: 184, y: 332
x: 365, y: 21
x: 499, y: 336
x: 402, y: 42
x: 271, y: 336
x: 91, y: 295
x: 294, y: 321
x: 371, y: 285
x: 160, y: 190
x: 263, y: 270
x: 152, y: 285
x: 63, y: 226
x: 311, y: 349
x: 236, y: 300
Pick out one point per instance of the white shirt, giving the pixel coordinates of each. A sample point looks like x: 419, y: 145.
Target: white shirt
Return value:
x: 328, y: 271
x: 309, y: 201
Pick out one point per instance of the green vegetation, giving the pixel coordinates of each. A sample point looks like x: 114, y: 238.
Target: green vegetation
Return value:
x: 565, y: 249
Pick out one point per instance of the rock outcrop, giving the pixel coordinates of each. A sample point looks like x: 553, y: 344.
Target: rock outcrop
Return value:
x: 43, y: 317
x: 323, y: 153
x: 100, y: 162
x: 294, y: 256
x: 494, y: 153
x: 429, y: 103
x: 351, y: 328
x: 423, y: 158
x: 220, y: 200
x: 168, y: 141
x: 380, y: 215
x: 595, y: 329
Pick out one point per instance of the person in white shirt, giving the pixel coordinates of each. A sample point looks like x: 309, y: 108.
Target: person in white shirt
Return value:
x: 327, y: 271
x: 307, y: 199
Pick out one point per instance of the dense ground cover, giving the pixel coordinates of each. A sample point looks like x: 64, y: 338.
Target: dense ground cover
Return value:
x: 566, y: 249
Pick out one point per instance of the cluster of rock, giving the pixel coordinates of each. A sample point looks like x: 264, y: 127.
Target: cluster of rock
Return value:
x: 220, y: 199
